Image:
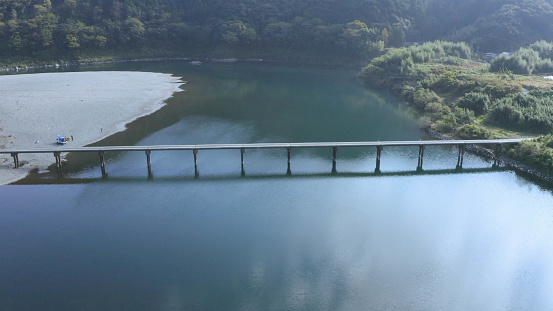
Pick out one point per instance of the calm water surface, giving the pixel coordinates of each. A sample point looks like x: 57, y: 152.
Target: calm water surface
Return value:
x: 265, y: 239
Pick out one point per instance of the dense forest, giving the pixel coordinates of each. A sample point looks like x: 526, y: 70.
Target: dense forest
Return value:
x: 50, y: 29
x: 61, y: 27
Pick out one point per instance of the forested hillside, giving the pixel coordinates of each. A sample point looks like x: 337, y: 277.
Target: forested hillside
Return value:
x: 61, y: 27
x: 489, y: 25
x: 49, y: 29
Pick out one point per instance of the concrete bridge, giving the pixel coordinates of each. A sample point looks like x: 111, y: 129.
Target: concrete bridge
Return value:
x: 379, y: 145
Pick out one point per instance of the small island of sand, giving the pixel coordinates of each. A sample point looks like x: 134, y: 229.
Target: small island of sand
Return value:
x: 86, y: 105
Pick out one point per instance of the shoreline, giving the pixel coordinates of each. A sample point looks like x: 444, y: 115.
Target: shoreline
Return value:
x: 508, y: 162
x: 89, y: 106
x: 192, y: 60
x: 17, y: 69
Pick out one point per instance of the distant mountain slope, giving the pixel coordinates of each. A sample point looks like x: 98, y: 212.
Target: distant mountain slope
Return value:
x: 490, y: 25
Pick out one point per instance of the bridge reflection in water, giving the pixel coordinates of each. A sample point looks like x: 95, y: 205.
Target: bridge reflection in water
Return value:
x: 101, y: 151
x: 233, y: 177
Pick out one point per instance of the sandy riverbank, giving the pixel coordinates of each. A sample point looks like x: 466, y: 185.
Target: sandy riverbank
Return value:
x: 87, y: 105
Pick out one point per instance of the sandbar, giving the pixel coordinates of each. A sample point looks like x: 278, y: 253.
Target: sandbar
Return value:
x: 86, y: 105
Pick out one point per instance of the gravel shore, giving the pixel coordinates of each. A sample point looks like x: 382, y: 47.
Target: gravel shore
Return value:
x: 86, y: 105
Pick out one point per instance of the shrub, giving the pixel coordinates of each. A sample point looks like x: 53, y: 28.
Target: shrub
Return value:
x: 403, y: 61
x: 451, y: 60
x: 463, y: 116
x: 496, y: 91
x: 455, y: 82
x: 423, y: 97
x: 531, y: 112
x: 544, y: 48
x: 436, y: 107
x: 450, y: 119
x: 477, y: 102
x: 544, y: 66
x: 534, y: 59
x: 537, y: 153
x: 437, y: 110
x: 408, y: 93
x: 515, y: 64
x: 447, y: 124
x: 472, y: 131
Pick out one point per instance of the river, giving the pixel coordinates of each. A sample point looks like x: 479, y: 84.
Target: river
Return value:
x: 266, y: 238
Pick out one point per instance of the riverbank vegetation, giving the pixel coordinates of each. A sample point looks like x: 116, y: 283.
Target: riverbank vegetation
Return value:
x: 469, y: 99
x: 537, y: 153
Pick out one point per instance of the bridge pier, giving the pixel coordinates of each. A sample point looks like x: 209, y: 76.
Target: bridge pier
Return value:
x: 421, y: 158
x: 289, y: 155
x: 196, y: 173
x: 289, y: 170
x: 460, y: 156
x: 242, y: 171
x: 149, y: 161
x: 497, y: 156
x: 102, y: 162
x: 242, y: 151
x: 378, y: 154
x: 57, y: 155
x: 334, y: 155
x: 15, y: 157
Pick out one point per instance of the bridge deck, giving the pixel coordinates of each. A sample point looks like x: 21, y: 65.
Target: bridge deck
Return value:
x: 63, y: 149
x: 243, y: 147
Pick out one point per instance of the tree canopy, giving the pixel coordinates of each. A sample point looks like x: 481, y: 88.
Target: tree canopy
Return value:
x: 349, y: 28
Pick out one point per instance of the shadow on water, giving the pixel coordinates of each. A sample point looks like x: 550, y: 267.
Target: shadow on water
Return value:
x: 244, y: 176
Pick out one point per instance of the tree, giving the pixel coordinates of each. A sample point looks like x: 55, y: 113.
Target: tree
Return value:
x: 15, y: 41
x: 385, y: 36
x: 68, y: 9
x: 72, y: 42
x: 133, y: 30
x: 276, y: 34
x: 397, y: 37
x: 359, y: 39
x: 43, y: 24
x: 477, y: 102
x: 236, y: 32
